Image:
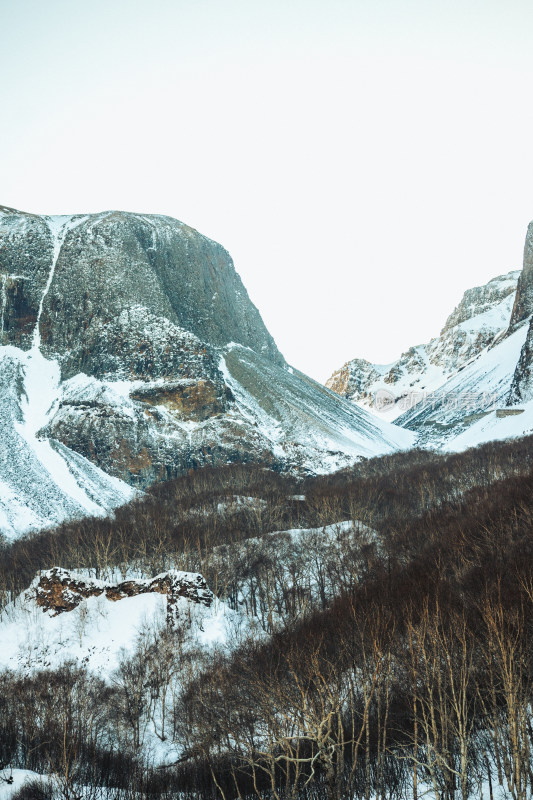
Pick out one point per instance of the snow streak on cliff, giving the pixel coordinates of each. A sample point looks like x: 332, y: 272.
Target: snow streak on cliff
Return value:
x: 131, y: 353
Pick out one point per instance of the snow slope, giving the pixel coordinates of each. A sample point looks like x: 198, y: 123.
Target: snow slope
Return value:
x: 99, y: 632
x: 12, y: 780
x: 42, y: 482
x: 480, y: 388
x: 518, y: 421
x: 298, y: 416
x: 456, y: 391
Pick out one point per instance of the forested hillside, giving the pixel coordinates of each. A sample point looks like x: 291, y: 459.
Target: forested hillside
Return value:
x: 374, y: 637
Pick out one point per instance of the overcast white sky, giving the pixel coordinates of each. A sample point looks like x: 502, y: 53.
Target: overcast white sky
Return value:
x: 364, y: 161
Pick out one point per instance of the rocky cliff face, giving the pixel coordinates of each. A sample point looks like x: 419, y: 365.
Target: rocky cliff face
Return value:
x: 133, y: 354
x: 521, y: 390
x: 522, y: 385
x: 523, y: 304
x: 116, y: 290
x: 355, y: 379
x: 482, y: 300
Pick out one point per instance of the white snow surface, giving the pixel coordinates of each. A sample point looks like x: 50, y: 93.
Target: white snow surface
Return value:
x: 49, y: 471
x: 44, y: 482
x: 41, y: 384
x: 12, y: 780
x: 491, y: 428
x: 99, y: 632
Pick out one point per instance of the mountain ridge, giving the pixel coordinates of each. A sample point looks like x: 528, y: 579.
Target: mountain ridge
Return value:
x: 481, y: 316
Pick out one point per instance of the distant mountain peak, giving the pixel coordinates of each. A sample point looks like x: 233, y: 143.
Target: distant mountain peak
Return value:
x: 472, y: 383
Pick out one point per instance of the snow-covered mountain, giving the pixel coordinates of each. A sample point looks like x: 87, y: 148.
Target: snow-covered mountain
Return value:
x: 470, y: 384
x: 483, y: 313
x: 130, y: 353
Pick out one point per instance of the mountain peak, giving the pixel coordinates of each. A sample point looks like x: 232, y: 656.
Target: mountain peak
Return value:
x: 480, y: 317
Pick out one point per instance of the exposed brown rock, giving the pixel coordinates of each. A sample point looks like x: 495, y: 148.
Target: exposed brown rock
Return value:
x: 59, y: 591
x: 195, y: 400
x: 134, y: 463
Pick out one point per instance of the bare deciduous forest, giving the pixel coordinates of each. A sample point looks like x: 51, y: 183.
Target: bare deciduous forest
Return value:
x: 390, y: 662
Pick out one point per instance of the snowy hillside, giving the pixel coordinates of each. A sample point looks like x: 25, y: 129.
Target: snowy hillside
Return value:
x: 42, y: 482
x: 125, y: 677
x: 101, y: 625
x: 471, y: 384
x: 472, y: 406
x: 125, y: 626
x: 67, y: 615
x: 300, y: 419
x: 390, y: 390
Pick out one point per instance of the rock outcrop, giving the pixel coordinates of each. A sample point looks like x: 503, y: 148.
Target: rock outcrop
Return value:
x: 521, y: 390
x: 124, y: 288
x: 58, y: 590
x: 354, y: 379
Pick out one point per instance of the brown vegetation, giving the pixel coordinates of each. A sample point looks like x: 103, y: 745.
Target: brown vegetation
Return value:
x: 400, y: 661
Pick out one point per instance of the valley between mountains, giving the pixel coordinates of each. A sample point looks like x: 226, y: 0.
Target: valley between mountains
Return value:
x: 220, y: 579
